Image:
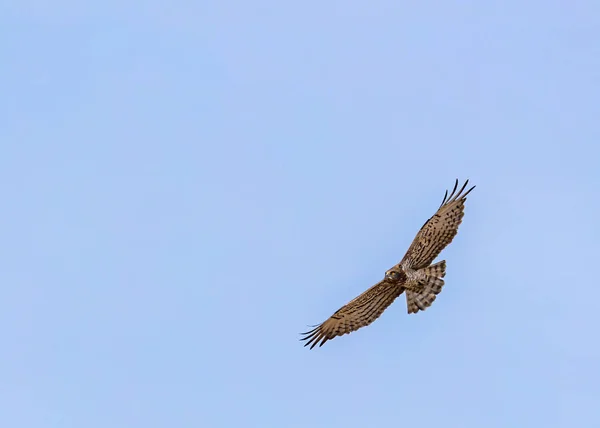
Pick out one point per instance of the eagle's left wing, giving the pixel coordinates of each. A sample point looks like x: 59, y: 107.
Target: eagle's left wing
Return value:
x: 438, y: 231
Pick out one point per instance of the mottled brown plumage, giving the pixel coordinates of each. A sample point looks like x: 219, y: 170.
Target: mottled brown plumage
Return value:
x: 415, y: 274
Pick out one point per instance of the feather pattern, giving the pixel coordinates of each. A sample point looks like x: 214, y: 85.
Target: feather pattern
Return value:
x: 414, y: 274
x: 438, y: 231
x: 359, y: 312
x: 432, y: 286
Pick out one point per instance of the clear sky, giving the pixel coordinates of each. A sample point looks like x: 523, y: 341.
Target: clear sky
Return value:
x: 187, y: 185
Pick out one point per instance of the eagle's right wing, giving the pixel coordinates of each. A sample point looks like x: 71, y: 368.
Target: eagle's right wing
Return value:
x: 359, y: 312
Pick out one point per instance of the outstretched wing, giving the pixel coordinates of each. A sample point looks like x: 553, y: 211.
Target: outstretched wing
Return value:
x: 438, y: 231
x: 359, y: 312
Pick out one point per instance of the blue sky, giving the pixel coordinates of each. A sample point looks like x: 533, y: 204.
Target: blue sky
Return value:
x: 187, y: 186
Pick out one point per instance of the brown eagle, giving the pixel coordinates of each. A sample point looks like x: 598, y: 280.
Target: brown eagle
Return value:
x: 415, y: 274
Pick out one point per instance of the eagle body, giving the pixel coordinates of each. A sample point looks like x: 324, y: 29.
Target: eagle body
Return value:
x: 414, y: 275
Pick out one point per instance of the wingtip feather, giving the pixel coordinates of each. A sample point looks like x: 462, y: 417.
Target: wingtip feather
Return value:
x: 454, y: 196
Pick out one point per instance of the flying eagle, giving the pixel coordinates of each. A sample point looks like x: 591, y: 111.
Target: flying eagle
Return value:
x: 415, y: 274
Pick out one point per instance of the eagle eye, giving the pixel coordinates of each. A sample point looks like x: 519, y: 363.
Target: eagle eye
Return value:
x: 392, y: 275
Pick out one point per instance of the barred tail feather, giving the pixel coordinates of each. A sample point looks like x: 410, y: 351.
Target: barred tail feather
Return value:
x: 437, y: 270
x: 432, y: 286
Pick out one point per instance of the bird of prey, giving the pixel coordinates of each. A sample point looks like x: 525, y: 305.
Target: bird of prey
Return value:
x: 415, y: 274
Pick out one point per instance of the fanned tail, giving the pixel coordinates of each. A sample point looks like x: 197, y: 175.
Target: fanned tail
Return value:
x: 432, y: 286
x: 437, y: 270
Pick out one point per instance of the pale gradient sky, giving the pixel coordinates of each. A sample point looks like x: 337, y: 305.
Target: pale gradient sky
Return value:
x: 188, y: 185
